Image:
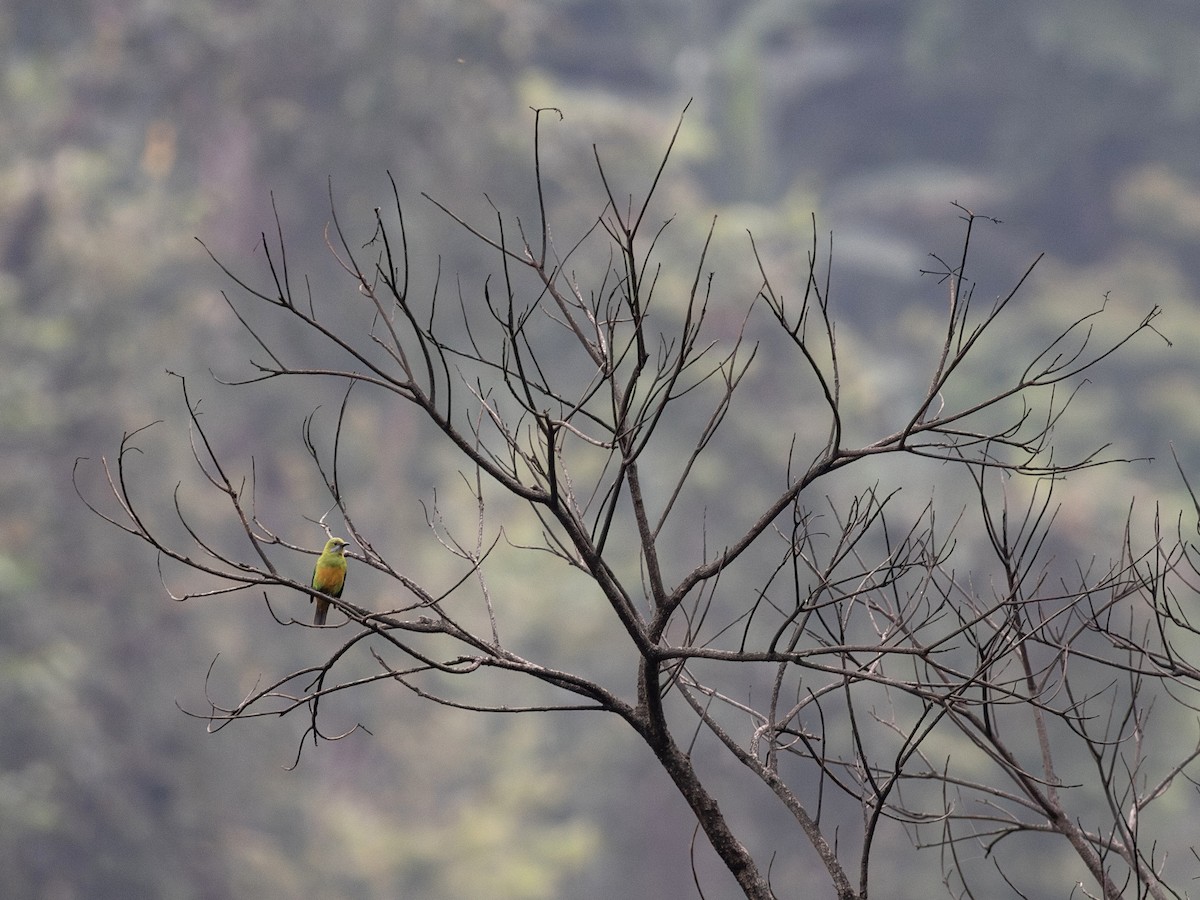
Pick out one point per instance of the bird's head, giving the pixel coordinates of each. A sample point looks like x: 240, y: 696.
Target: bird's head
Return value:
x: 336, y: 545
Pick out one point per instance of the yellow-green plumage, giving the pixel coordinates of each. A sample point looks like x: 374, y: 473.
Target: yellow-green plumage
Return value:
x: 329, y: 576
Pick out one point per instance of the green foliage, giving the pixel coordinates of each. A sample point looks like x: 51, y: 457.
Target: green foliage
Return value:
x: 129, y: 128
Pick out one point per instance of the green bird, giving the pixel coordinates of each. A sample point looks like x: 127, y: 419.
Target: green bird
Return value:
x: 329, y: 576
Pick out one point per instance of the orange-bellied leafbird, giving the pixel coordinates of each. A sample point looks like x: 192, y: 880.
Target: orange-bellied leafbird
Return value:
x: 329, y: 576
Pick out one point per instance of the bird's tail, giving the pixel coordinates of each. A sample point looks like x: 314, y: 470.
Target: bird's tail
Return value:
x: 322, y: 611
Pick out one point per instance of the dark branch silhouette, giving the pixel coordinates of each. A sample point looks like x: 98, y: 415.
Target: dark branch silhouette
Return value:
x: 831, y: 643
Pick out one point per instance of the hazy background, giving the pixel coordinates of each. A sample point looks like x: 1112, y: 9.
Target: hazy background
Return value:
x: 129, y: 128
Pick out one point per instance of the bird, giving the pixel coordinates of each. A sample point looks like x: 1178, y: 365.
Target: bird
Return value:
x: 329, y: 576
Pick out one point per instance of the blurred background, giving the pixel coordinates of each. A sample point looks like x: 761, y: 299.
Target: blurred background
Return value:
x: 130, y: 127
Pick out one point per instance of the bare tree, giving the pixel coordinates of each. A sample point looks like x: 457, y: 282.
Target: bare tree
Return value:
x: 940, y: 700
